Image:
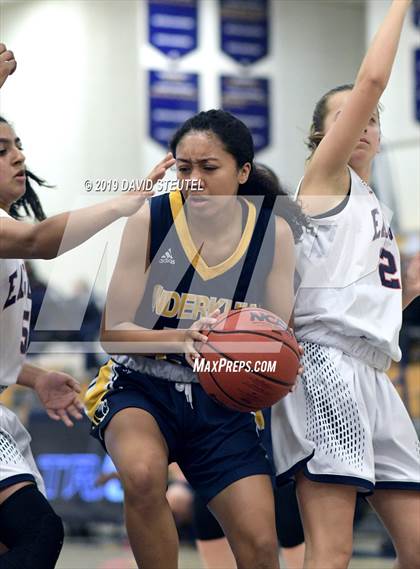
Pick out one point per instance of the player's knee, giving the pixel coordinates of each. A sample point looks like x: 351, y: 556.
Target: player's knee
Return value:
x: 140, y: 486
x: 261, y: 551
x: 333, y: 556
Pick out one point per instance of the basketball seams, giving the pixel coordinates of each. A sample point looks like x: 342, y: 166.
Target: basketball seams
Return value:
x: 239, y: 403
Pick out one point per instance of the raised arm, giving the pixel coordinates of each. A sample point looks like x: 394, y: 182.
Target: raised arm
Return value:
x: 328, y: 164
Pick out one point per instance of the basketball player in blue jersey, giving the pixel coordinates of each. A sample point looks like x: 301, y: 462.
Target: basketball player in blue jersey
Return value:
x: 29, y: 528
x: 345, y: 429
x: 207, y: 251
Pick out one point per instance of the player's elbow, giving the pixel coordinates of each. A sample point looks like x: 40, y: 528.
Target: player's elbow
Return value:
x: 373, y: 82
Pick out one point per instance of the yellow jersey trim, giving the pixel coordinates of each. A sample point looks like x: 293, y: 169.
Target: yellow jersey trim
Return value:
x: 194, y: 257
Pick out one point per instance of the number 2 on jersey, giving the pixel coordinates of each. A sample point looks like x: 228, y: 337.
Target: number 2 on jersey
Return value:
x: 387, y: 269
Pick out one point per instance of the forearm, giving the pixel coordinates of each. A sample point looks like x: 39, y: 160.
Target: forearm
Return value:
x: 127, y: 338
x: 377, y: 64
x: 29, y: 375
x: 65, y: 231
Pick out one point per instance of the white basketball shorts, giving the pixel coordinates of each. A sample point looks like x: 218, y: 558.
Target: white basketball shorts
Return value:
x: 345, y: 424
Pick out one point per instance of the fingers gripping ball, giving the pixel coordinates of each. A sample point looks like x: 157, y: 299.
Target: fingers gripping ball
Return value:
x: 250, y: 360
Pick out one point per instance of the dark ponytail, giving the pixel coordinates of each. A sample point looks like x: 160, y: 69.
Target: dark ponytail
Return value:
x: 262, y: 181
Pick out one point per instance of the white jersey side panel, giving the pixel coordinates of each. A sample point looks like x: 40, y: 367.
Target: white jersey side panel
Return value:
x: 15, y: 311
x: 350, y: 281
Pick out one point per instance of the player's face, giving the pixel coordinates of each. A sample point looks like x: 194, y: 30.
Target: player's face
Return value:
x: 12, y: 167
x: 369, y: 142
x: 201, y: 157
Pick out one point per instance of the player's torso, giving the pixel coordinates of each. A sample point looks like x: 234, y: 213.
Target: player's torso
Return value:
x: 349, y: 269
x: 182, y: 288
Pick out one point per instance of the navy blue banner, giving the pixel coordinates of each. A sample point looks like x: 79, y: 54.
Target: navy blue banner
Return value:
x: 416, y: 13
x: 173, y: 98
x: 249, y: 100
x: 417, y: 82
x: 244, y: 29
x: 173, y: 26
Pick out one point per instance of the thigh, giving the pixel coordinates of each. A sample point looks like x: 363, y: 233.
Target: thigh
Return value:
x: 327, y: 512
x: 245, y: 509
x: 399, y: 511
x: 135, y: 442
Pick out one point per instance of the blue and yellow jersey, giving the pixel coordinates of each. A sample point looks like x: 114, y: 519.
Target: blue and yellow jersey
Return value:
x: 182, y: 288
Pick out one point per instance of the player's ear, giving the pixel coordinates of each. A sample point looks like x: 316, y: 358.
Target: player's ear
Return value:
x: 244, y: 172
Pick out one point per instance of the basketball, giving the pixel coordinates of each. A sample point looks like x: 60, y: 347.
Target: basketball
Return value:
x: 250, y: 360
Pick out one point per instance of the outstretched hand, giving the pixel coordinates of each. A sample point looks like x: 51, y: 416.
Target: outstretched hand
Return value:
x: 7, y: 63
x: 59, y: 394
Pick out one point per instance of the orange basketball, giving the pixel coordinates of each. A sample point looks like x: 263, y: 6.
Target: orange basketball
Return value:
x: 250, y: 360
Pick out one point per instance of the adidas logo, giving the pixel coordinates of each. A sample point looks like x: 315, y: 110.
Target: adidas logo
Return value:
x: 167, y: 257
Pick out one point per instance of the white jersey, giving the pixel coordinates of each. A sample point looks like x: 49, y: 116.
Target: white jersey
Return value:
x: 15, y: 312
x: 350, y: 292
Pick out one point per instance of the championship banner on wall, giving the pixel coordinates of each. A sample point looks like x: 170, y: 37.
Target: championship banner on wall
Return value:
x: 173, y: 26
x: 244, y: 29
x: 173, y: 98
x: 248, y: 99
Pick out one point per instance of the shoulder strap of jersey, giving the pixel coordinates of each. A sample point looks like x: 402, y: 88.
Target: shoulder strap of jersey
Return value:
x: 161, y: 221
x: 261, y: 248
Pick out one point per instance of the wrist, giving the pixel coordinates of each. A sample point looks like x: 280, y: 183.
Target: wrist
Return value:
x: 30, y: 376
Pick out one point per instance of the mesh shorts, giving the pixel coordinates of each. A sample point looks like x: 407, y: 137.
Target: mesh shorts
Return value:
x: 345, y: 423
x: 16, y: 461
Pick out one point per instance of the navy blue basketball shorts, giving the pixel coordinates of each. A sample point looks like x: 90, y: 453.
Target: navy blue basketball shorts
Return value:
x: 213, y: 445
